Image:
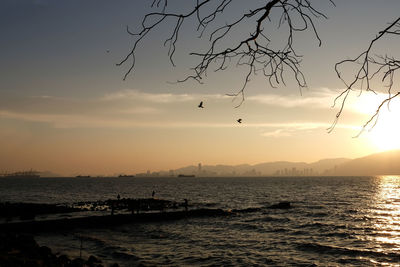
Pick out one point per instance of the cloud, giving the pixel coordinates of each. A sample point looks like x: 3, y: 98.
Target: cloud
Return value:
x: 79, y: 121
x: 365, y: 103
x: 91, y: 121
x: 277, y: 133
x: 148, y: 97
x: 322, y: 98
x: 126, y: 108
x: 64, y: 112
x: 368, y: 102
x: 290, y: 129
x: 44, y: 96
x: 84, y: 121
x: 139, y: 110
x: 133, y: 108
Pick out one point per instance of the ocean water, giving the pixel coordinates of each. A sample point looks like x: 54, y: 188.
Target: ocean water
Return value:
x: 335, y: 221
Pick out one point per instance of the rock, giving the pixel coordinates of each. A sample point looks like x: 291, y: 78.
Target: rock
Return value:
x: 45, y: 252
x: 78, y: 262
x: 63, y: 260
x: 22, y: 250
x: 92, y: 259
x: 281, y: 205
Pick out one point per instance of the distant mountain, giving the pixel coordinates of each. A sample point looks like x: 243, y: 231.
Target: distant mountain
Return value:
x: 385, y: 163
x: 320, y: 166
x: 326, y: 164
x: 280, y: 168
x: 269, y: 168
x: 215, y: 169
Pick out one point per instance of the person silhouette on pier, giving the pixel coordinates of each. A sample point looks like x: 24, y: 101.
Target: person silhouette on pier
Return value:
x: 153, y: 194
x: 186, y: 204
x: 112, y: 207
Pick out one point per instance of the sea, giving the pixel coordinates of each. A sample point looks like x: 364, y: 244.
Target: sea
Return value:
x: 334, y: 221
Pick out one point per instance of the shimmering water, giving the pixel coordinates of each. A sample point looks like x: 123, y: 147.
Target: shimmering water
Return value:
x: 352, y: 221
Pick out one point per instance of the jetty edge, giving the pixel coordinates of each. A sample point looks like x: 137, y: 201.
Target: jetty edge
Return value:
x: 57, y: 225
x: 119, y: 212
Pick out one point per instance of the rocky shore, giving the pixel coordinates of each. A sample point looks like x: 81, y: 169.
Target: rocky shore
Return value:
x: 18, y: 247
x: 22, y: 250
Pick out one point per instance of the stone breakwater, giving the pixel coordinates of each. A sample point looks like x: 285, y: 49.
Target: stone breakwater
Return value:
x: 104, y: 221
x: 133, y: 211
x: 26, y: 211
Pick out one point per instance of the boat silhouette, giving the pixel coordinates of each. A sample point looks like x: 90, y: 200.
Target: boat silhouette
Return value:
x: 126, y: 175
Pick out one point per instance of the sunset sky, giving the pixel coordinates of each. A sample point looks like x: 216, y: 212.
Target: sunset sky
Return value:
x: 65, y: 108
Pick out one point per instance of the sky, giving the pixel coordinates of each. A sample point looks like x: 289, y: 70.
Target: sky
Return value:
x: 65, y: 108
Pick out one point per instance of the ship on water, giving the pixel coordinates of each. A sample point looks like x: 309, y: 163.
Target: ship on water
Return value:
x: 186, y: 175
x: 22, y: 174
x: 126, y: 176
x: 82, y: 176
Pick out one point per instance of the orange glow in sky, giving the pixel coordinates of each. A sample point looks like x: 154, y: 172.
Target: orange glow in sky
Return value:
x: 64, y: 106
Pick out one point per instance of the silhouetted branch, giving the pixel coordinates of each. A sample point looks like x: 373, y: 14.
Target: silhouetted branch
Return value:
x: 374, y: 118
x: 370, y: 67
x: 254, y: 52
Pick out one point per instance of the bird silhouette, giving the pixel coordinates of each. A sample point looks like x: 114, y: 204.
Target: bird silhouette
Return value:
x: 239, y: 120
x: 108, y: 51
x: 201, y: 105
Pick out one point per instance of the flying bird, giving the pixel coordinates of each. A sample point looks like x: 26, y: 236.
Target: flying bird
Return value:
x: 201, y: 105
x: 239, y: 120
x: 108, y: 51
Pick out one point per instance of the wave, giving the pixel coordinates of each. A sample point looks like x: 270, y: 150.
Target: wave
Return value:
x: 331, y: 226
x: 316, y: 214
x: 339, y: 234
x: 336, y: 250
x: 247, y: 210
x: 275, y: 219
x: 247, y: 226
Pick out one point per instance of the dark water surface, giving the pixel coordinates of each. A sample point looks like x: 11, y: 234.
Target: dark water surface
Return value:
x: 352, y: 221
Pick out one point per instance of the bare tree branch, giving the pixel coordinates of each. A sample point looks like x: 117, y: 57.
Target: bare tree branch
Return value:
x: 374, y: 118
x: 370, y: 67
x: 255, y: 52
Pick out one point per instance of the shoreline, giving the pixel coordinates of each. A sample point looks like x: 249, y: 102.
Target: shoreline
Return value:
x: 23, y: 250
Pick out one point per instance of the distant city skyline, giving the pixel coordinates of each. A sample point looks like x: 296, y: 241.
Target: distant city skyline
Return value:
x: 382, y: 163
x: 64, y: 107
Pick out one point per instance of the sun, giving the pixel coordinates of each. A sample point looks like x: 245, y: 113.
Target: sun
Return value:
x: 385, y: 135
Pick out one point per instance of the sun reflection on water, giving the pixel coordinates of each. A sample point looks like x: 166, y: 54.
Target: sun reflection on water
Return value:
x: 387, y: 214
